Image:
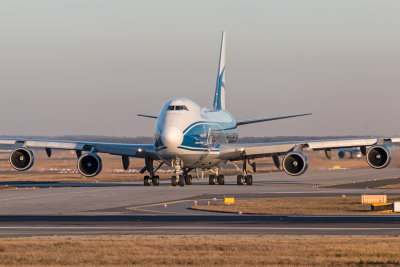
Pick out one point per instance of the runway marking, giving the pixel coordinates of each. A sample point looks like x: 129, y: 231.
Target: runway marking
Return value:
x: 358, y: 182
x: 139, y: 208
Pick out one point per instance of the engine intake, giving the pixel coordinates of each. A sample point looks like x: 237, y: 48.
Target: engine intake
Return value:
x: 378, y: 157
x: 21, y: 158
x: 295, y: 163
x: 89, y: 164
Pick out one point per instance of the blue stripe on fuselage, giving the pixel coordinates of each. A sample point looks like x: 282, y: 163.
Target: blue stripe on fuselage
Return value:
x: 206, y: 135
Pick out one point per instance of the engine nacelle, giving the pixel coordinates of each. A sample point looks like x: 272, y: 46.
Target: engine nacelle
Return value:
x: 21, y: 158
x: 341, y: 154
x: 89, y: 164
x: 378, y: 157
x: 295, y: 163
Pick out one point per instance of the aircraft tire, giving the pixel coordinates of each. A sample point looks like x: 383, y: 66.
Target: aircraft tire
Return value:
x: 240, y: 180
x: 249, y: 179
x: 156, y: 180
x: 212, y: 180
x: 173, y: 181
x: 181, y: 180
x: 147, y: 180
x: 221, y: 179
x: 188, y: 179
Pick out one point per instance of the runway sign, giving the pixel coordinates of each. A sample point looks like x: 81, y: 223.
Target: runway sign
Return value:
x: 387, y: 207
x: 229, y: 200
x: 396, y: 206
x: 370, y: 199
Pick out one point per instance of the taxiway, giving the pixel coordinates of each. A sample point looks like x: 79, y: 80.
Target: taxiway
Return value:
x: 122, y: 208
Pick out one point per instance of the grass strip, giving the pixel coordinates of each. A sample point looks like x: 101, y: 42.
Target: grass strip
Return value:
x: 349, y: 205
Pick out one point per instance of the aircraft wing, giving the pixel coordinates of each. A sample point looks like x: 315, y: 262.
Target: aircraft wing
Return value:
x: 258, y: 150
x: 131, y: 150
x: 256, y: 120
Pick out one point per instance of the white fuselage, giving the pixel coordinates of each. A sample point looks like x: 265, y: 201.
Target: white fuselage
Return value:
x: 186, y: 131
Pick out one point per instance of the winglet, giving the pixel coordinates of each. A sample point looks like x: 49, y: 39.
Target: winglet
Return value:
x: 219, y: 96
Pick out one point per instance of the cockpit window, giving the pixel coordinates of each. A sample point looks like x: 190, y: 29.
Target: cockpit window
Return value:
x: 177, y: 108
x: 181, y: 108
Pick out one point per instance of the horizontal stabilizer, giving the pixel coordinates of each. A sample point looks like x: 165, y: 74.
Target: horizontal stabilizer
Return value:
x: 147, y: 116
x: 255, y: 120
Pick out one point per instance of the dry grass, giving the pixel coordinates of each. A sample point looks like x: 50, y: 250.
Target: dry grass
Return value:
x: 295, y: 205
x: 199, y: 250
x: 390, y: 186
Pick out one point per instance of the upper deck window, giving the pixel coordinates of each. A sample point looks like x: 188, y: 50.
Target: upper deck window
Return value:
x: 177, y: 108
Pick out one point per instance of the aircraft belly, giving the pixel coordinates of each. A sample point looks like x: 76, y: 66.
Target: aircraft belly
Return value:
x: 200, y: 160
x: 192, y: 159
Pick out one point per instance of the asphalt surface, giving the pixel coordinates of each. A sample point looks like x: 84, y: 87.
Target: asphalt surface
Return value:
x: 131, y: 208
x: 187, y: 224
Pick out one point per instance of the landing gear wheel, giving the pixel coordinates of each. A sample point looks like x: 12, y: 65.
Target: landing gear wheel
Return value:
x: 221, y: 179
x: 188, y: 179
x: 181, y: 180
x: 156, y: 180
x: 212, y: 180
x: 249, y: 179
x: 147, y: 180
x: 173, y: 181
x: 240, y: 180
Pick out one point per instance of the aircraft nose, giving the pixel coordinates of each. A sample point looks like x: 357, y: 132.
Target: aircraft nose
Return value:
x: 172, y: 137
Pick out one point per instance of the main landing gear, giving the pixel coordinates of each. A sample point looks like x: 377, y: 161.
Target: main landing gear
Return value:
x: 182, y: 176
x: 155, y: 180
x: 214, y: 179
x: 248, y: 179
x: 152, y: 178
x: 248, y: 168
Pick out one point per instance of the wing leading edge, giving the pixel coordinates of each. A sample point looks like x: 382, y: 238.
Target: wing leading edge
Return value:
x: 131, y: 150
x: 258, y: 150
x: 256, y: 120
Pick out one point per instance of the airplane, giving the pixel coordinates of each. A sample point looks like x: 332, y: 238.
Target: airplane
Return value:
x: 188, y: 137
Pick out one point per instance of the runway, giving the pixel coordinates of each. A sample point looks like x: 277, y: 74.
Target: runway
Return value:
x: 198, y: 225
x: 131, y: 208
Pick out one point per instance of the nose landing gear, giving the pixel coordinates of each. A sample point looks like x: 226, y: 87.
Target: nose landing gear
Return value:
x: 182, y: 177
x: 177, y: 180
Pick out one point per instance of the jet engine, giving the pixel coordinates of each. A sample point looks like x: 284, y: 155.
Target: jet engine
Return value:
x: 378, y: 157
x: 89, y: 164
x: 341, y: 154
x: 295, y: 163
x: 21, y: 158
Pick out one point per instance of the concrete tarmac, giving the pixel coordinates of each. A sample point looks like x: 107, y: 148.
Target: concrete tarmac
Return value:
x: 127, y: 207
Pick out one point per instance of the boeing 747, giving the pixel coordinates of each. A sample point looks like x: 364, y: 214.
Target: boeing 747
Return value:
x: 188, y: 137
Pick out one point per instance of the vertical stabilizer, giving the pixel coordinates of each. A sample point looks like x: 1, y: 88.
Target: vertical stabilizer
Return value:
x: 219, y: 97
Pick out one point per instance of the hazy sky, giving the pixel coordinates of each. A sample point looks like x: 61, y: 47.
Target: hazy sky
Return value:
x: 87, y: 67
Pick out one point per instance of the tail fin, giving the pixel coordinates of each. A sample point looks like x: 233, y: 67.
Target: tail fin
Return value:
x: 219, y: 97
